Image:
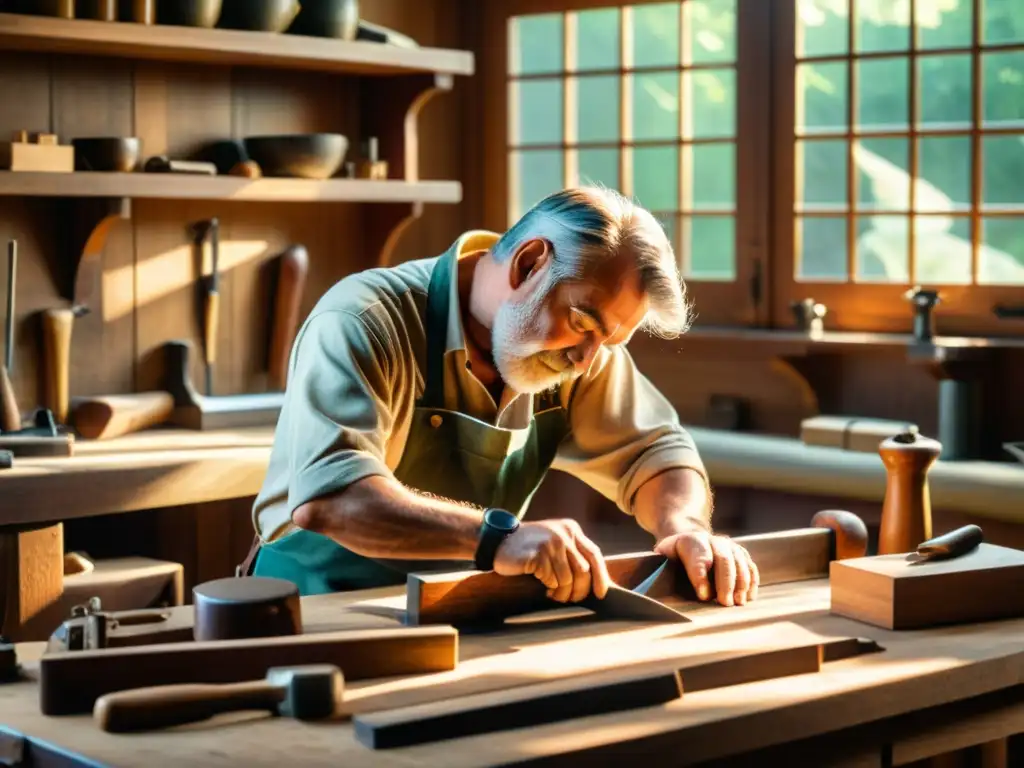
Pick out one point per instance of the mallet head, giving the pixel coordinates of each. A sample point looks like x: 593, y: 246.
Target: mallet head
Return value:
x: 312, y: 692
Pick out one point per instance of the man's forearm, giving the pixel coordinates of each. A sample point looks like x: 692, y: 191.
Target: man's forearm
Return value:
x: 379, y: 517
x: 673, y: 501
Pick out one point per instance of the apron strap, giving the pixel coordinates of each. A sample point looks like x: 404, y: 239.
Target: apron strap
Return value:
x: 438, y: 300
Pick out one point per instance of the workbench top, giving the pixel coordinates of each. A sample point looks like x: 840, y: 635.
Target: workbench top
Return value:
x: 914, y: 671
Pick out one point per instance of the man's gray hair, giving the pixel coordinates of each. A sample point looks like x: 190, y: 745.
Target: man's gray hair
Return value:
x: 586, y: 226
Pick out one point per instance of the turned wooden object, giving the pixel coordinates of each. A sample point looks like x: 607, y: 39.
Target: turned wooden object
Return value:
x: 291, y: 284
x: 851, y: 534
x: 907, y: 509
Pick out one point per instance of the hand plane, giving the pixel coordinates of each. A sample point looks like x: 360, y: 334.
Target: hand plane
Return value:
x: 91, y: 628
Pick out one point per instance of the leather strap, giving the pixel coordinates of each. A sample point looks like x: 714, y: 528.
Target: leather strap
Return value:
x: 245, y: 569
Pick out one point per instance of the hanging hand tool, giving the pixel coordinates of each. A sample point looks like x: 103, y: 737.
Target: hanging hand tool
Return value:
x: 212, y: 307
x: 10, y: 413
x: 291, y: 282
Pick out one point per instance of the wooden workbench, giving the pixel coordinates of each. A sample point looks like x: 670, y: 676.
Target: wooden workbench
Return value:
x: 864, y: 706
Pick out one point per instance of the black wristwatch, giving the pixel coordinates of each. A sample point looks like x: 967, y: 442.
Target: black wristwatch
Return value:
x: 498, y: 525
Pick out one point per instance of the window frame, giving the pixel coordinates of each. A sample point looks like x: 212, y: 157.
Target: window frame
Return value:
x: 878, y: 307
x: 744, y: 301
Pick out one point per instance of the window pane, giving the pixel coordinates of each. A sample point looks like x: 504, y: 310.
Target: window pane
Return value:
x: 821, y: 248
x: 536, y: 174
x: 944, y: 25
x: 944, y: 168
x: 710, y: 27
x: 712, y: 175
x: 821, y: 173
x: 1002, y: 85
x: 883, y: 249
x: 597, y: 103
x: 1002, y: 21
x: 944, y: 90
x: 537, y: 111
x: 1002, y: 166
x: 822, y: 28
x: 882, y: 90
x: 1001, y: 260
x: 656, y: 177
x: 656, y: 35
x: 883, y: 26
x: 655, y: 105
x: 710, y: 103
x: 821, y: 97
x: 536, y: 44
x: 599, y: 166
x: 883, y: 182
x: 708, y: 247
x: 597, y: 39
x: 942, y: 250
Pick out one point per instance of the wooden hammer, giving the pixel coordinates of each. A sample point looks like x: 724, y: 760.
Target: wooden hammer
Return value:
x: 310, y: 692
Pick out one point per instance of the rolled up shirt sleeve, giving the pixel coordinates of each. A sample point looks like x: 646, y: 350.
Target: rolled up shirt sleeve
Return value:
x: 339, y: 407
x: 624, y: 431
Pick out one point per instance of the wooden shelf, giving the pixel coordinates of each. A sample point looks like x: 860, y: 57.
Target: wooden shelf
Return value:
x: 225, y: 47
x: 166, y: 186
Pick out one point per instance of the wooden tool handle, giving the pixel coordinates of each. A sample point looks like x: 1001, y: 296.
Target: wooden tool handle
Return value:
x: 57, y: 326
x: 210, y: 321
x: 102, y: 418
x: 906, y: 510
x: 165, y: 705
x: 291, y: 284
x: 851, y: 534
x: 10, y: 415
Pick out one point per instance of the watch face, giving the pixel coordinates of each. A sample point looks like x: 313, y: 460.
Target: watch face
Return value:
x: 501, y: 519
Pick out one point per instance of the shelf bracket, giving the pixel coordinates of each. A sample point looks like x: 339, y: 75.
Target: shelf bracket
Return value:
x: 392, y: 107
x: 89, y: 222
x: 385, y: 224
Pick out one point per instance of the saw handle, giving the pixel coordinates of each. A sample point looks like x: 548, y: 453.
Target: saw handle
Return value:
x: 57, y: 326
x: 291, y: 283
x: 162, y: 706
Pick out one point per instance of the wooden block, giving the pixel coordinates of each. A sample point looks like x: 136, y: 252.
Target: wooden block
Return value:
x: 33, y: 566
x: 22, y: 156
x: 646, y: 683
x: 894, y: 592
x: 70, y: 682
x: 851, y: 433
x: 474, y: 596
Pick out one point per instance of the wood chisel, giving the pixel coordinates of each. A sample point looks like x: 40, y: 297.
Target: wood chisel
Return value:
x: 633, y: 604
x: 212, y: 310
x: 950, y: 545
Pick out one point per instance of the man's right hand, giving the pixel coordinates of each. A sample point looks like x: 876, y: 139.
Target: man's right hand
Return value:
x: 558, y: 553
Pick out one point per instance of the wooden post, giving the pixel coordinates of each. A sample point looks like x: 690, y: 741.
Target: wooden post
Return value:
x: 32, y: 564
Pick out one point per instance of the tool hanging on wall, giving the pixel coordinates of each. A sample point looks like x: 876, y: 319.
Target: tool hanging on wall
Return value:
x: 291, y: 284
x: 10, y: 413
x: 208, y: 232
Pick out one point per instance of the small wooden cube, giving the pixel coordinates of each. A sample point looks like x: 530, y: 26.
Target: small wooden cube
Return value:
x: 895, y: 592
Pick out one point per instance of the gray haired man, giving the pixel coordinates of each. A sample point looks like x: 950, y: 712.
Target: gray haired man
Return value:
x: 427, y: 401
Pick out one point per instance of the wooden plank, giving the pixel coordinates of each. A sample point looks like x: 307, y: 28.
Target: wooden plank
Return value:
x: 167, y: 186
x: 627, y: 687
x: 71, y: 682
x: 474, y: 596
x: 227, y: 47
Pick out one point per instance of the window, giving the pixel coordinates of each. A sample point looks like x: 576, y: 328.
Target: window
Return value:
x: 641, y: 98
x: 905, y: 138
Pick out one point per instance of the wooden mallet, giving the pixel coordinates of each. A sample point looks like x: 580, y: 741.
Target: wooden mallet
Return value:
x: 310, y: 692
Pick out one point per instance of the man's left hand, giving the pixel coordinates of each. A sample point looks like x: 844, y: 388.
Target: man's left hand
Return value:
x: 703, y: 553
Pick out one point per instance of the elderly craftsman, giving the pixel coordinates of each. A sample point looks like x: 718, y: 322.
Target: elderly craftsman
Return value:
x: 427, y: 401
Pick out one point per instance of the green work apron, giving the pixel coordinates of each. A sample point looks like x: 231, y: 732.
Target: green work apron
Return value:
x: 448, y: 454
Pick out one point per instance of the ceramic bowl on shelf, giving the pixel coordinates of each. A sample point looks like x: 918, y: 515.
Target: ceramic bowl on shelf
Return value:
x: 116, y: 154
x: 301, y: 155
x: 258, y: 15
x: 189, y: 13
x: 338, y: 19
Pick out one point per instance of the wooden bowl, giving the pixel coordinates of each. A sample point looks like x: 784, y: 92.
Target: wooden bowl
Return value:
x: 258, y: 15
x: 189, y: 13
x: 303, y: 156
x: 118, y: 154
x: 338, y: 19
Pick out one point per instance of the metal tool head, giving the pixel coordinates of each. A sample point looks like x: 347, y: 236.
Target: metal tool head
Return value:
x: 311, y: 692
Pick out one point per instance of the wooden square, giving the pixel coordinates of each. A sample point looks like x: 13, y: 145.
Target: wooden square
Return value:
x: 893, y: 592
